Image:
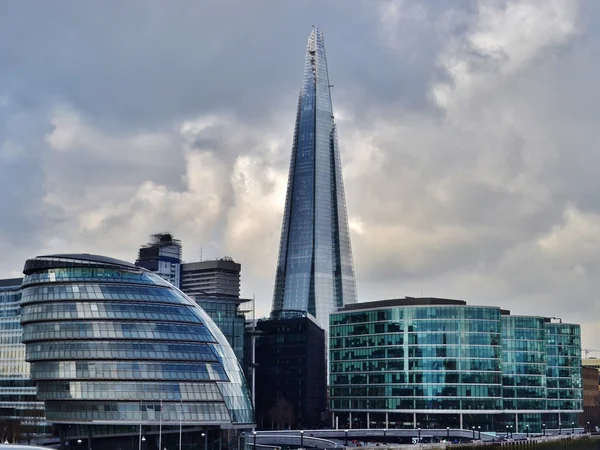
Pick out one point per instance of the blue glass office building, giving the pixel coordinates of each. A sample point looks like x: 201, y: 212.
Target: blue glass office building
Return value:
x: 315, y: 271
x: 113, y: 344
x: 20, y: 411
x: 437, y: 363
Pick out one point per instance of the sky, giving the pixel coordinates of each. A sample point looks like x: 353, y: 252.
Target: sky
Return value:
x: 468, y: 132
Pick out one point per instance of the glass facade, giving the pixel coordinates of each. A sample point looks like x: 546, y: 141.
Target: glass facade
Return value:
x: 434, y: 363
x: 110, y: 342
x: 291, y: 382
x: 315, y: 271
x: 20, y: 411
x: 226, y: 314
x: 565, y: 388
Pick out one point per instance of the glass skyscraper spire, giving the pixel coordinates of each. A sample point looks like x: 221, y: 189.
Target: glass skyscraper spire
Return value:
x: 315, y: 271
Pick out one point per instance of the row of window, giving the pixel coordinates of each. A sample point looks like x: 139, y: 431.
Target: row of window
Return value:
x: 430, y: 390
x: 524, y: 357
x: 565, y: 404
x: 97, y: 390
x: 127, y: 370
x: 564, y: 383
x: 521, y: 368
x: 73, y: 274
x: 443, y: 403
x: 428, y: 326
x: 137, y: 412
x: 426, y: 339
x: 565, y: 393
x: 98, y: 310
x: 417, y: 364
x: 520, y: 322
x: 45, y: 293
x: 418, y: 378
x: 116, y: 330
x: 423, y: 312
x: 69, y: 350
x: 528, y: 345
x: 523, y: 380
x: 417, y: 352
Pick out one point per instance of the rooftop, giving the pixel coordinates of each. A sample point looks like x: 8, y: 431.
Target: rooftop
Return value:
x: 71, y: 259
x: 406, y: 301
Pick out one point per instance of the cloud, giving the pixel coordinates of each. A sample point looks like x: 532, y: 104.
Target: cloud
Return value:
x: 468, y: 134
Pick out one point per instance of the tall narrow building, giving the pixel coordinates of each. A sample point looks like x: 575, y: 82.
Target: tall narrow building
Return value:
x: 315, y: 272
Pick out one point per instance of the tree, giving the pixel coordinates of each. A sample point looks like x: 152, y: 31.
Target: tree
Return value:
x: 282, y: 413
x: 32, y: 423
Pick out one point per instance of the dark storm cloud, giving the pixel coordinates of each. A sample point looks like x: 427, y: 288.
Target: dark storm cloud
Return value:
x: 469, y: 138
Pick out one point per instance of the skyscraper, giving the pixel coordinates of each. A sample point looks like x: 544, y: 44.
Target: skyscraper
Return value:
x: 315, y: 271
x: 162, y: 256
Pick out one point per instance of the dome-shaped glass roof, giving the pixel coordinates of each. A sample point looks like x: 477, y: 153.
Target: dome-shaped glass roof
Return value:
x: 111, y: 343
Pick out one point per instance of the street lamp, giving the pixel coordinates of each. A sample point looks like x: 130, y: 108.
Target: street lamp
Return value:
x: 506, y: 431
x: 572, y: 427
x: 205, y: 436
x: 473, y: 432
x: 301, y: 439
x: 479, y: 432
x: 588, y: 427
x: 78, y: 441
x: 385, y: 431
x: 346, y: 444
x: 254, y: 433
x: 559, y: 428
x: 543, y: 429
x: 447, y: 432
x: 419, y: 434
x: 527, y: 429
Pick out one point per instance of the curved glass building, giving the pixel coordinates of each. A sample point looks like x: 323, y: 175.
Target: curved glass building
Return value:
x: 111, y: 343
x: 438, y: 363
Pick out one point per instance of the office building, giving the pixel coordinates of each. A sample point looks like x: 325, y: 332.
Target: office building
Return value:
x: 213, y: 284
x: 290, y: 369
x: 114, y: 347
x: 524, y: 366
x: 218, y: 277
x: 227, y: 315
x: 315, y: 272
x: 21, y: 414
x: 162, y: 256
x: 437, y: 363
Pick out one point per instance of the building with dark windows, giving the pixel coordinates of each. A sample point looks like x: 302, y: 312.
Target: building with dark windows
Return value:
x: 437, y: 363
x: 162, y: 256
x: 21, y: 414
x: 290, y: 372
x: 217, y: 277
x: 117, y: 352
x: 315, y: 272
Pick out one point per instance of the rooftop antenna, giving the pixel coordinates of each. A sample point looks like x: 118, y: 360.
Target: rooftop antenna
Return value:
x: 200, y: 252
